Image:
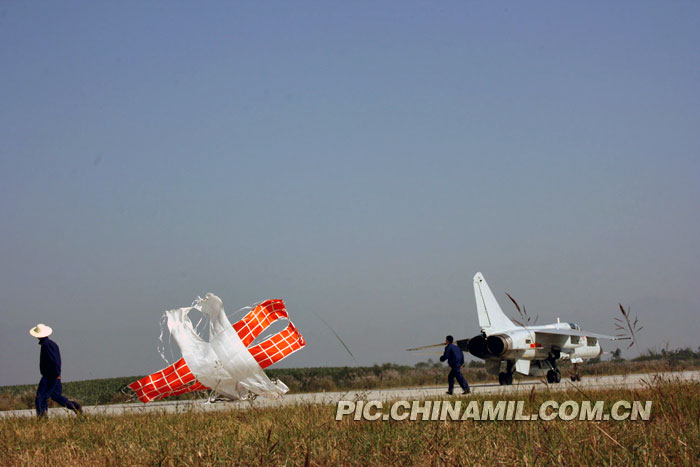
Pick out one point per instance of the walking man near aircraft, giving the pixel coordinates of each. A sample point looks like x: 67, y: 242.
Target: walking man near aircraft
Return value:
x: 455, y: 359
x: 50, y: 367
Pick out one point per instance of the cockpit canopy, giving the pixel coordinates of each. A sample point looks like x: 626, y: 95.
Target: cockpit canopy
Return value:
x: 574, y: 326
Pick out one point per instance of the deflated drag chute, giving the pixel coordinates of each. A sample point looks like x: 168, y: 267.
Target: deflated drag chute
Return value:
x: 224, y: 363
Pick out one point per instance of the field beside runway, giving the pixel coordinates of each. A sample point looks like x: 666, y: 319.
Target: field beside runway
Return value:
x: 307, y: 380
x: 308, y: 433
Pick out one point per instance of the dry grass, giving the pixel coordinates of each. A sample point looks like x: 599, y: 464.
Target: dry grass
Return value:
x: 310, y: 435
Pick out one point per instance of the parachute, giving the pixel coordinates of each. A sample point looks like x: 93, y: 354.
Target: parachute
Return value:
x: 224, y: 363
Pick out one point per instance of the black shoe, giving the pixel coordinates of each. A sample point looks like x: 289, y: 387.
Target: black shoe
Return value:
x: 467, y: 391
x: 77, y: 408
x: 449, y: 393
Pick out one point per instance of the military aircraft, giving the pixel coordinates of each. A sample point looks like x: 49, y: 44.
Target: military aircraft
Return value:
x: 507, y: 347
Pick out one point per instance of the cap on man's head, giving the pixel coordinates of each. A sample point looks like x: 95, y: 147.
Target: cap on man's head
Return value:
x: 450, y: 339
x: 40, y: 330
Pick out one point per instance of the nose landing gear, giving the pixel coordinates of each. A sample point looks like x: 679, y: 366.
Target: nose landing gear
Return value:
x: 575, y: 376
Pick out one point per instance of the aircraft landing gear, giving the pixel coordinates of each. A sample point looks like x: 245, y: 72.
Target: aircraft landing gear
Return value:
x: 553, y: 376
x: 505, y: 378
x: 576, y: 376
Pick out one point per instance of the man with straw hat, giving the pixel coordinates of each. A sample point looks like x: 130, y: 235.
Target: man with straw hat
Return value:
x: 50, y: 367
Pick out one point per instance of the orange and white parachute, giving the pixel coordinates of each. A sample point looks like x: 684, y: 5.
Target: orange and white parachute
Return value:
x: 224, y: 363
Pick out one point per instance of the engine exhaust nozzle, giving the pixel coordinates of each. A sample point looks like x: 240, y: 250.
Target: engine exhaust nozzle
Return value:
x: 498, y: 344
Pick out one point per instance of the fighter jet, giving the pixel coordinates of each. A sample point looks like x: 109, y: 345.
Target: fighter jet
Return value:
x: 507, y: 347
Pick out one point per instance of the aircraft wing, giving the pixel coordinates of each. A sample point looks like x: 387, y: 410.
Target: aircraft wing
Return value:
x: 574, y: 332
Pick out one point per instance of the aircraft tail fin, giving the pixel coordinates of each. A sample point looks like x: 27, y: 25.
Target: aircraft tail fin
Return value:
x: 491, y: 317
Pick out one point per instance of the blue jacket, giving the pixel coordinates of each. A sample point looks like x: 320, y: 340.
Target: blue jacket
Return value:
x: 453, y: 355
x: 50, y: 358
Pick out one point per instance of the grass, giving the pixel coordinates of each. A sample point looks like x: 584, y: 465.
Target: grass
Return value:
x: 309, y: 435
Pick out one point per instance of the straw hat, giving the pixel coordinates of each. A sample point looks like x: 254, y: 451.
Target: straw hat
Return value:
x: 41, y: 330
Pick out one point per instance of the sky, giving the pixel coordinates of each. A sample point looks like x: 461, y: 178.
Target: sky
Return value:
x: 360, y: 160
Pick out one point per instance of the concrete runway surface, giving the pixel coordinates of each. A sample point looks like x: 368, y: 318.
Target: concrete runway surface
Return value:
x: 638, y: 380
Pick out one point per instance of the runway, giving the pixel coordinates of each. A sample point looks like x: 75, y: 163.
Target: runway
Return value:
x: 630, y: 381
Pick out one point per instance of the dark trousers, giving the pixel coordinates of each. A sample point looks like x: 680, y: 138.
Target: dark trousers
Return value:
x: 50, y: 387
x: 457, y: 373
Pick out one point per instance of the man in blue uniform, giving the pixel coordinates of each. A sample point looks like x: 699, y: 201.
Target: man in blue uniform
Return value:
x: 455, y: 359
x: 50, y: 367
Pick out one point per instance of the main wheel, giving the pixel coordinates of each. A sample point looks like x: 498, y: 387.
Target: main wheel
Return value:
x: 557, y: 377
x: 550, y: 376
x: 501, y: 378
x: 509, y: 378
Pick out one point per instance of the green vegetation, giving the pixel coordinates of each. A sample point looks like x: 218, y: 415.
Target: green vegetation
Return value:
x: 113, y: 390
x: 309, y: 435
x: 669, y: 355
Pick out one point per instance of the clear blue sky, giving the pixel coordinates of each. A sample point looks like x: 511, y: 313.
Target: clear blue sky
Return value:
x: 361, y: 160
